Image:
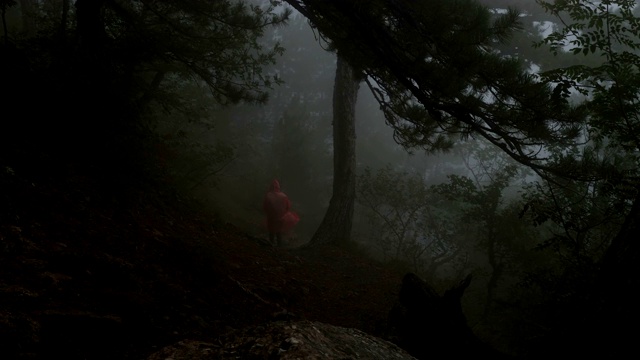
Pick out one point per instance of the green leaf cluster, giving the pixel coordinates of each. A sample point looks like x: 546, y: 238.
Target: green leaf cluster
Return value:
x: 609, y: 88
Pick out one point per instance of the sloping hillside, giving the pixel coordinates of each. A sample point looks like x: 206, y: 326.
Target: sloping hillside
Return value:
x: 87, y: 272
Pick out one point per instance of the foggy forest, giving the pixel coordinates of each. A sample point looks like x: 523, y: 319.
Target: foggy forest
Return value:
x: 460, y: 176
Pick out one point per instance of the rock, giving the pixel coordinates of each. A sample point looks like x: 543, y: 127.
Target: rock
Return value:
x: 287, y: 340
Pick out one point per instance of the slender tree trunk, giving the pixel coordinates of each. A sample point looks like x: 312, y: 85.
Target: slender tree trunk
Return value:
x: 494, y: 264
x: 5, y: 30
x: 93, y: 68
x: 62, y: 30
x: 90, y: 24
x: 102, y: 120
x: 336, y: 225
x: 27, y: 8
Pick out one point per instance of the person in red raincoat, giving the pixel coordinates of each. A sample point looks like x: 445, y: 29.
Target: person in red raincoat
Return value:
x: 280, y: 218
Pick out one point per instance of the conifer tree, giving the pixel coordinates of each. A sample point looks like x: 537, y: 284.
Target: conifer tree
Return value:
x: 95, y: 67
x: 432, y: 68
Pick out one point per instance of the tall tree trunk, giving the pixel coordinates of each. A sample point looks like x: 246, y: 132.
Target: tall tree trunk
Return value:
x: 27, y: 8
x: 62, y: 30
x: 336, y: 225
x: 90, y: 24
x: 102, y: 120
x: 5, y: 30
x: 93, y: 70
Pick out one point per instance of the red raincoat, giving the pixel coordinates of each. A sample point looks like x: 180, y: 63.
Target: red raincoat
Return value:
x: 277, y: 207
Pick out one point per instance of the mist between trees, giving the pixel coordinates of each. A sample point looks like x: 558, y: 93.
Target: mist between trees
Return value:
x: 470, y: 209
x: 222, y: 127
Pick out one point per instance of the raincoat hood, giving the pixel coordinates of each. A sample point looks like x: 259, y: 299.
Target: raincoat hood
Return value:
x: 275, y: 186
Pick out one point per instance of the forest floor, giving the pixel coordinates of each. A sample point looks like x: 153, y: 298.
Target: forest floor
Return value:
x: 86, y: 273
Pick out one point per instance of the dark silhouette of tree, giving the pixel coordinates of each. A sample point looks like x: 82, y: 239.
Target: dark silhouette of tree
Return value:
x: 4, y: 6
x: 96, y: 68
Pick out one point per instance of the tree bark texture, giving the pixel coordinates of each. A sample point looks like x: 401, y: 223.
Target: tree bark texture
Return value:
x: 336, y: 225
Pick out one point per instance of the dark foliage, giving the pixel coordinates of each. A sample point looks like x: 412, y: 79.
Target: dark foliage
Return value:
x: 84, y: 275
x: 429, y: 325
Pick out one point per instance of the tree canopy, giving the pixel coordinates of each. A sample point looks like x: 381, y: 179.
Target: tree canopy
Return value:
x: 95, y: 67
x: 433, y: 70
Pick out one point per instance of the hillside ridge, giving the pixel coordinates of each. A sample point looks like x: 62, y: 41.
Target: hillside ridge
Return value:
x: 91, y: 275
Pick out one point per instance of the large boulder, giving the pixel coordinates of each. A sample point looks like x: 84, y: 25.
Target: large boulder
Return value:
x: 287, y: 340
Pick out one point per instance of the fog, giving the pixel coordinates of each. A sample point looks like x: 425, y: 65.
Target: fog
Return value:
x: 471, y: 209
x: 409, y: 212
x: 440, y: 215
